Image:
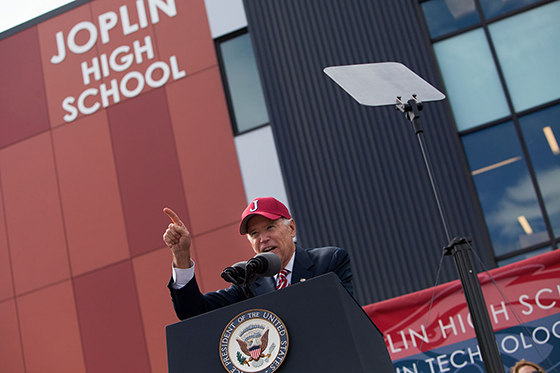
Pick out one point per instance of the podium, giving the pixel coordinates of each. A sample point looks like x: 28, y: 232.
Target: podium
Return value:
x: 327, y: 331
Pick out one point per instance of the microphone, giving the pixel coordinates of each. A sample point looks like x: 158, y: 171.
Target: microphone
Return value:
x: 235, y: 274
x: 263, y: 264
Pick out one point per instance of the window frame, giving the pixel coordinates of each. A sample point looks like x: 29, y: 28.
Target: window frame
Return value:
x: 227, y: 90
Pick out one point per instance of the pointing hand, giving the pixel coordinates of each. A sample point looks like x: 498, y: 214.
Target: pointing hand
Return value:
x: 178, y: 239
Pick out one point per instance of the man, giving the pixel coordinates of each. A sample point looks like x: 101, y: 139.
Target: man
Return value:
x: 269, y: 227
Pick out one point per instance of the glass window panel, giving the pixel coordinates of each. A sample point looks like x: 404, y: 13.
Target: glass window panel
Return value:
x: 528, y: 53
x: 541, y: 131
x: 505, y: 190
x: 445, y: 16
x: 471, y: 79
x: 493, y: 8
x: 243, y: 82
x: 528, y: 255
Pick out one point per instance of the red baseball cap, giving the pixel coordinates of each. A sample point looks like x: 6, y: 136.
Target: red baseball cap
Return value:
x: 268, y: 207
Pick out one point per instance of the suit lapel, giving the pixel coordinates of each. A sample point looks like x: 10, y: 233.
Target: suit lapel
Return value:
x: 263, y: 285
x: 302, y: 270
x: 302, y: 266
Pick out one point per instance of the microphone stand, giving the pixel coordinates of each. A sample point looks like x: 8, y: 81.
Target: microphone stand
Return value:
x: 241, y: 279
x: 246, y: 284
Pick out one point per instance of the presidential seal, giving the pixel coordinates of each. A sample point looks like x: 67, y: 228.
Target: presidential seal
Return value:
x: 254, y: 341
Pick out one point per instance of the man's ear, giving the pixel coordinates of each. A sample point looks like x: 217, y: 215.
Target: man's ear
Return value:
x: 293, y: 228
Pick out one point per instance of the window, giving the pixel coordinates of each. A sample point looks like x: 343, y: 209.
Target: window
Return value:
x: 541, y: 131
x: 500, y: 72
x: 527, y: 255
x: 242, y: 82
x: 445, y: 16
x: 525, y: 54
x: 493, y: 8
x: 505, y: 190
x: 473, y: 86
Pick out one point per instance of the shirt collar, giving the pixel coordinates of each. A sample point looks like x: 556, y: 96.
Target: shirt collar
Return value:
x: 290, y: 265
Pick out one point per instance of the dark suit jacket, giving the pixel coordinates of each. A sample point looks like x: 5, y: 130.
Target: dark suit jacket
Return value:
x: 308, y: 263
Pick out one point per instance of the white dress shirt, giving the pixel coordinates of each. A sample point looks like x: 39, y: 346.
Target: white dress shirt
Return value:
x: 182, y: 276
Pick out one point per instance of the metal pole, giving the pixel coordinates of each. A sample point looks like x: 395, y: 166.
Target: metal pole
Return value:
x: 461, y: 251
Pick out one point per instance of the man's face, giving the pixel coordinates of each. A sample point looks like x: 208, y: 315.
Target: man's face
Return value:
x: 267, y: 235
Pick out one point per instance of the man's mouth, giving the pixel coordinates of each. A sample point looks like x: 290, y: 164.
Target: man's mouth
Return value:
x: 267, y: 249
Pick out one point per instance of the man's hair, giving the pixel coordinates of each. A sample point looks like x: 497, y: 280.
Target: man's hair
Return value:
x: 286, y: 221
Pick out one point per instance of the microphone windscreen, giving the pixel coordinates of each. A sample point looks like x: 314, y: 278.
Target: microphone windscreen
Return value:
x: 240, y: 268
x: 274, y: 264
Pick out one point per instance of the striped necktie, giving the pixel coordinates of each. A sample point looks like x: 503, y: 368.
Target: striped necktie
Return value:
x: 282, y: 280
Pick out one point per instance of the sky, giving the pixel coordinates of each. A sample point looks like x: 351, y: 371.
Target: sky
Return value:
x: 15, y: 12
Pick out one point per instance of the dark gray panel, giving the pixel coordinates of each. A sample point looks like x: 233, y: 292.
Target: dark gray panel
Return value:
x: 354, y: 174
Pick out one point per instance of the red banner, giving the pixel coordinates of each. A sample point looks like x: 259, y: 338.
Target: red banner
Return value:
x: 523, y: 303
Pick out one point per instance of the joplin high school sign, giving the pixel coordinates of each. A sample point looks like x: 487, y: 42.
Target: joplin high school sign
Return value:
x: 128, y: 67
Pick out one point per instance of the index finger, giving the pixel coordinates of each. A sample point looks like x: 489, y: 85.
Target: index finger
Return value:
x: 173, y: 216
